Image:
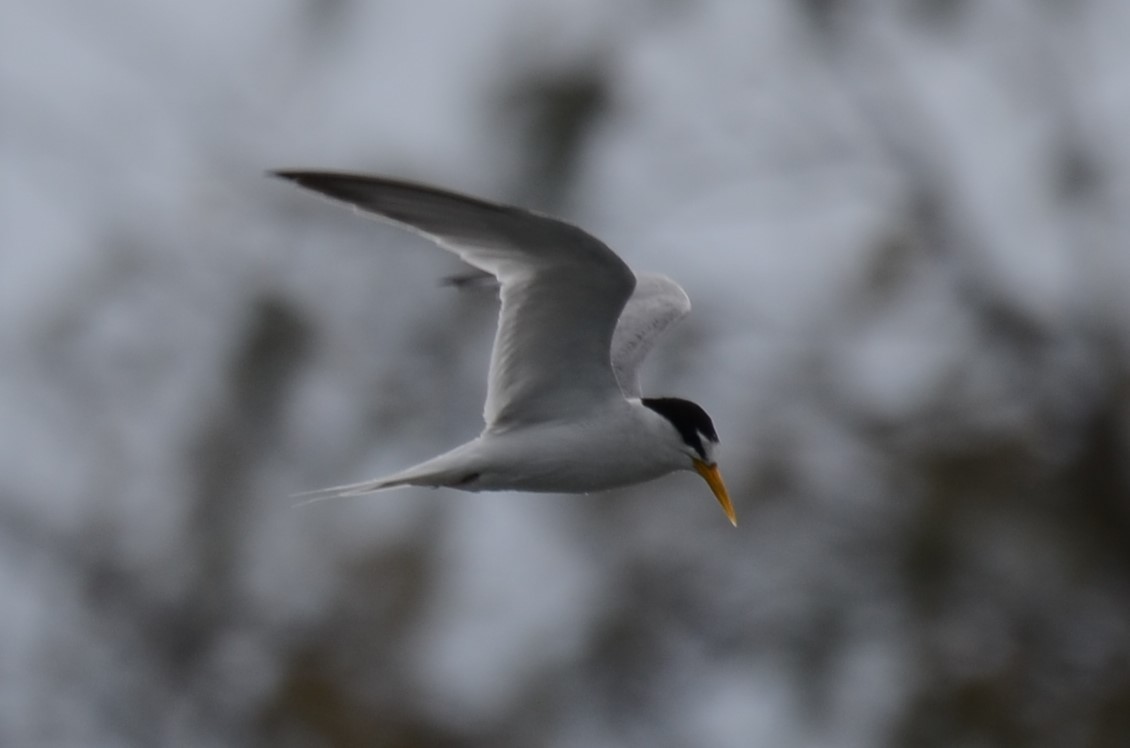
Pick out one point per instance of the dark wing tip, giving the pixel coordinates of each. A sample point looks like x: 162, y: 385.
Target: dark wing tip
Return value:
x: 305, y: 178
x: 292, y: 175
x: 381, y: 195
x: 310, y: 180
x: 356, y: 189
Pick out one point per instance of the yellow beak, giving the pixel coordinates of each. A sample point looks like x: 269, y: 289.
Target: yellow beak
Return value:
x: 713, y: 479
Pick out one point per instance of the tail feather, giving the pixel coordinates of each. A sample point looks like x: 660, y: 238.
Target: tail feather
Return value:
x: 438, y: 471
x: 449, y: 469
x: 346, y: 491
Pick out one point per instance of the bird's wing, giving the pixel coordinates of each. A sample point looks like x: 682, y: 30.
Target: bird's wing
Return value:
x: 562, y: 291
x: 658, y: 303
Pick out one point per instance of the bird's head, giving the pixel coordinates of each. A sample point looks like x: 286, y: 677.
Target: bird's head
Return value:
x: 696, y: 431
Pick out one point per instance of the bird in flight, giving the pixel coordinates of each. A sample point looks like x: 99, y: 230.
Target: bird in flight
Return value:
x: 564, y: 412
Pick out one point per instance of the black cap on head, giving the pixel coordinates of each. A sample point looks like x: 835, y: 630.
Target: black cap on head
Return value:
x: 688, y: 418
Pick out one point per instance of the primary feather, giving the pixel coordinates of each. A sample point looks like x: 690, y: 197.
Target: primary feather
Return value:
x: 562, y: 291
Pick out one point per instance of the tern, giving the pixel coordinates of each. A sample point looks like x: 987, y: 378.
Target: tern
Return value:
x: 564, y: 411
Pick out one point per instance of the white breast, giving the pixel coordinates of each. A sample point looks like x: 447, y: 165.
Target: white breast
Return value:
x: 619, y: 446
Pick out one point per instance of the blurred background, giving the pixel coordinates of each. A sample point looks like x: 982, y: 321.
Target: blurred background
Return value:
x: 904, y: 227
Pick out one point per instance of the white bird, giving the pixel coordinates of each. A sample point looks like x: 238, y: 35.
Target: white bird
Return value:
x: 563, y: 412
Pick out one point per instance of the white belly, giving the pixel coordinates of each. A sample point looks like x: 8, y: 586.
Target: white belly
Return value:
x: 615, y: 450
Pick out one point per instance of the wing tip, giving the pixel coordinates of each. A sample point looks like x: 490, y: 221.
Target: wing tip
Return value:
x: 298, y: 176
x: 340, y: 186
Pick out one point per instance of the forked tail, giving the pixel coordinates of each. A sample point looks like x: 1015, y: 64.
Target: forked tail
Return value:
x: 445, y: 470
x: 344, y: 491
